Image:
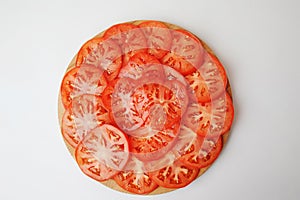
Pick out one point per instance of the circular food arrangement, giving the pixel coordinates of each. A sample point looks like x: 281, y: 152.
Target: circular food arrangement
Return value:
x: 145, y: 107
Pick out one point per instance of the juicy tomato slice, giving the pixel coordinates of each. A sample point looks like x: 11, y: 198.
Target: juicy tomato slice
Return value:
x: 142, y: 64
x: 186, y: 54
x: 176, y: 175
x: 152, y: 144
x: 134, y: 178
x: 161, y: 113
x: 82, y: 80
x: 107, y: 94
x: 210, y: 119
x: 102, y: 53
x: 103, y: 152
x: 159, y: 38
x: 180, y: 92
x: 123, y: 109
x: 209, y: 81
x: 160, y: 98
x: 204, y: 154
x: 84, y: 114
x: 129, y: 37
x: 172, y: 74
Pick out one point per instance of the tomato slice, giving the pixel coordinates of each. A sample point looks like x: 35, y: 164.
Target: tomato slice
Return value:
x: 84, y: 114
x: 209, y: 81
x: 172, y: 74
x: 142, y: 64
x: 102, y: 53
x: 163, y: 98
x: 124, y: 111
x: 152, y: 144
x: 134, y: 178
x: 180, y: 92
x: 129, y: 37
x: 159, y: 38
x: 210, y: 119
x: 82, y: 80
x: 186, y: 54
x: 103, y: 152
x: 161, y: 113
x: 176, y: 175
x: 205, y: 153
x: 107, y: 94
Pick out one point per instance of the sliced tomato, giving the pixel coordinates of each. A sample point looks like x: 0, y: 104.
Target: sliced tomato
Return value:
x: 161, y: 113
x: 186, y: 142
x: 103, y: 152
x: 124, y: 111
x: 134, y: 178
x: 130, y: 38
x: 142, y: 64
x: 107, y: 94
x: 152, y: 144
x: 81, y: 80
x: 84, y: 114
x: 159, y: 38
x: 102, y: 53
x: 204, y: 154
x: 180, y: 92
x: 209, y: 81
x: 186, y: 54
x: 210, y: 119
x: 176, y: 175
x: 172, y: 74
x: 162, y: 98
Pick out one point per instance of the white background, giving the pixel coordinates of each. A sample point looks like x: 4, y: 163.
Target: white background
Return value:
x: 258, y: 42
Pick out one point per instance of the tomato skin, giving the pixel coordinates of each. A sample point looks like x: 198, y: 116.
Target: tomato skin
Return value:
x: 84, y: 114
x: 159, y: 38
x: 210, y: 119
x: 82, y: 80
x: 102, y: 53
x: 206, y: 152
x: 89, y: 152
x: 134, y: 179
x: 177, y: 175
x: 186, y: 54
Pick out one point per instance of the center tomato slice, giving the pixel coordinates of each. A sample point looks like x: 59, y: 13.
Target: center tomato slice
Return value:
x: 209, y: 81
x: 186, y: 54
x: 103, y: 152
x: 159, y: 38
x: 176, y: 175
x: 210, y: 119
x: 84, y: 114
x: 161, y: 116
x: 82, y: 80
x: 102, y: 53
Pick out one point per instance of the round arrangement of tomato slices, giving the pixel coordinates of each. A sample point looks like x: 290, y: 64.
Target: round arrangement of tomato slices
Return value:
x: 146, y: 105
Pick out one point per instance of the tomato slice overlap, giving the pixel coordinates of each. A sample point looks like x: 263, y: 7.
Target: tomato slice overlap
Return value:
x: 103, y: 152
x: 145, y: 105
x: 82, y: 80
x: 134, y: 178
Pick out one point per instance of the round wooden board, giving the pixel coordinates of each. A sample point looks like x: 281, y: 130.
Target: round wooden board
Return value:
x: 111, y: 183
